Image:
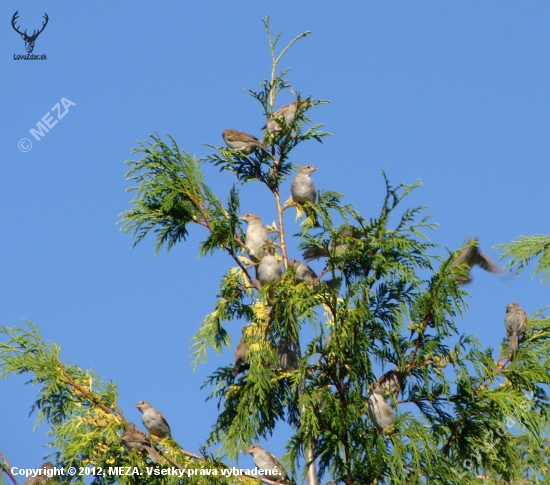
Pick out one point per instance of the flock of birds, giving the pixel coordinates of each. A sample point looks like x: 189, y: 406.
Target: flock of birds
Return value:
x: 268, y: 271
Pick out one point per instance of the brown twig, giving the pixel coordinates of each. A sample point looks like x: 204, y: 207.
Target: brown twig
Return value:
x: 174, y: 463
x: 205, y: 222
x: 88, y: 396
x: 7, y: 468
x: 281, y: 227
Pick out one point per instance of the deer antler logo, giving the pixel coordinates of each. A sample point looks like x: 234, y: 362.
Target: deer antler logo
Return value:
x: 29, y: 39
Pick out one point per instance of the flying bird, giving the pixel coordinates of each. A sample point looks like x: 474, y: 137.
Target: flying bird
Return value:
x: 241, y: 141
x: 471, y: 255
x: 153, y: 420
x: 516, y: 322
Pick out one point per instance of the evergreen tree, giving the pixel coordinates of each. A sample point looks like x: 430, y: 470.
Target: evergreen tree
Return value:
x: 365, y: 361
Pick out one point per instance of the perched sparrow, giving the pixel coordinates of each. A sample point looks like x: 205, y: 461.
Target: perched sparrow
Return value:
x: 287, y: 357
x: 134, y: 439
x: 240, y: 354
x: 241, y: 141
x: 470, y: 256
x: 392, y: 381
x: 153, y: 420
x: 269, y: 269
x: 516, y: 321
x: 256, y: 236
x: 304, y: 274
x: 341, y: 245
x: 380, y: 412
x: 42, y: 475
x: 264, y: 460
x: 288, y: 112
x: 302, y: 187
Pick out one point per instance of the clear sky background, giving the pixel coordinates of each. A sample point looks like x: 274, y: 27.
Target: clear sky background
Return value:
x: 453, y: 93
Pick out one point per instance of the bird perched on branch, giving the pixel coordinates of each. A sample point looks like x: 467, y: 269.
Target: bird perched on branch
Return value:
x: 256, y: 236
x: 153, y: 420
x: 380, y: 412
x: 471, y: 255
x: 304, y: 274
x: 269, y: 269
x: 287, y: 357
x: 134, y: 439
x: 392, y: 381
x: 287, y: 112
x: 341, y: 244
x: 241, y: 141
x: 42, y: 475
x: 264, y: 460
x: 302, y: 187
x: 240, y: 354
x: 516, y: 322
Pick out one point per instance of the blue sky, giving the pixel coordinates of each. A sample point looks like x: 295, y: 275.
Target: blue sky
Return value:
x: 453, y: 93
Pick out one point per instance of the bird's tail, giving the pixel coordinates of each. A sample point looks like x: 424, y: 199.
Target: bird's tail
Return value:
x: 153, y: 454
x: 513, y: 342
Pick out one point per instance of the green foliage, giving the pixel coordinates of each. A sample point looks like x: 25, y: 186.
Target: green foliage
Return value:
x: 524, y: 249
x: 171, y: 194
x: 85, y: 422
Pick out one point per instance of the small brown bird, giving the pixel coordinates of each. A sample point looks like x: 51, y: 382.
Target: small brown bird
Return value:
x: 380, y: 412
x: 341, y: 244
x: 134, y: 439
x: 287, y: 357
x: 392, y: 381
x: 302, y: 187
x: 43, y: 475
x: 304, y: 274
x: 264, y: 460
x: 516, y: 322
x: 471, y: 255
x: 240, y: 354
x: 153, y: 420
x: 241, y: 141
x: 287, y: 112
x: 256, y: 236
